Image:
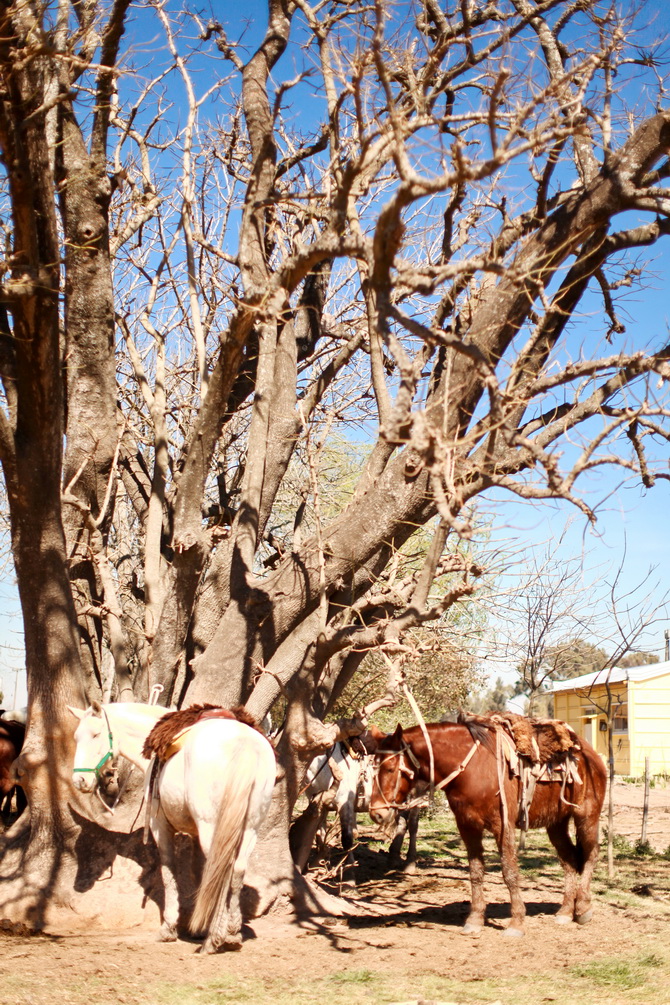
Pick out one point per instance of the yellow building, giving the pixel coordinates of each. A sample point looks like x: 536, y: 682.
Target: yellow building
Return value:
x: 640, y: 707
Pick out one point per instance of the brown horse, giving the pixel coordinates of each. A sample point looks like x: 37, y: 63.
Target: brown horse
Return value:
x: 11, y: 742
x: 467, y: 766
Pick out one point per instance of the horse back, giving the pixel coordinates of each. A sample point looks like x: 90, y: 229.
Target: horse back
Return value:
x: 213, y: 750
x: 580, y: 798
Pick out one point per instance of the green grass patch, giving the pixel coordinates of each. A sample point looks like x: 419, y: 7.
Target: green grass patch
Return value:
x: 353, y: 977
x: 619, y: 973
x: 623, y: 980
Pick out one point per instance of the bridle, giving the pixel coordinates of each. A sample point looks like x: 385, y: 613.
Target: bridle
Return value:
x: 109, y: 756
x: 411, y: 772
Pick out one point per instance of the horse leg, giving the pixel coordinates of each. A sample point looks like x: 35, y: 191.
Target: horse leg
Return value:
x: 164, y: 838
x: 348, y: 832
x: 407, y: 824
x: 472, y: 838
x: 225, y: 930
x: 412, y: 830
x: 347, y: 814
x: 303, y: 832
x: 587, y: 838
x: 512, y: 878
x: 21, y: 800
x: 567, y: 856
x: 395, y: 848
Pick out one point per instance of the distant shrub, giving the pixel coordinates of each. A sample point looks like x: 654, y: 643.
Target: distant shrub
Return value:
x: 621, y: 844
x: 662, y: 778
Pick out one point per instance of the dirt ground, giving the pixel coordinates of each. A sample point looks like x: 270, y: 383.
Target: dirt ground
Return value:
x: 403, y: 946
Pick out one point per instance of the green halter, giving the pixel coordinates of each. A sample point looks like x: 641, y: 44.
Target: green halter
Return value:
x: 107, y: 757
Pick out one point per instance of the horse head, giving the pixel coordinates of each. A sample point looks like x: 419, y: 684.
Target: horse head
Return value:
x: 393, y: 779
x: 94, y: 754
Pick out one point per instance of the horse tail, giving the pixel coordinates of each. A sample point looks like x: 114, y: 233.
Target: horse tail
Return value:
x: 226, y: 841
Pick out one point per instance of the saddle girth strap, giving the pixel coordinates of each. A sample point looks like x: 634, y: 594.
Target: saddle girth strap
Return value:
x: 500, y: 765
x: 149, y: 795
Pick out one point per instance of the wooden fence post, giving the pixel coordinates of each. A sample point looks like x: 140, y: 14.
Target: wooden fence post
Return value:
x: 645, y: 808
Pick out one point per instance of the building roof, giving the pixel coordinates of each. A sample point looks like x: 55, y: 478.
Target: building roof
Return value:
x: 613, y: 676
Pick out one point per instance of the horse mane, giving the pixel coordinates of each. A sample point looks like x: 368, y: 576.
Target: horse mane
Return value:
x: 163, y: 733
x: 480, y: 728
x: 371, y: 738
x: 241, y: 714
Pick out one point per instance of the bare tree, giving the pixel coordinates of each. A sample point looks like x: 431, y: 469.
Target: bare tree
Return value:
x: 379, y: 218
x: 540, y: 617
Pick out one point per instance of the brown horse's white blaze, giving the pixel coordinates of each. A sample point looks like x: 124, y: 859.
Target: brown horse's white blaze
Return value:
x: 470, y: 776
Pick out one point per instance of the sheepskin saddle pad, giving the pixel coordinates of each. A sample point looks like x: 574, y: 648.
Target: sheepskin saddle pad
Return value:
x: 162, y: 740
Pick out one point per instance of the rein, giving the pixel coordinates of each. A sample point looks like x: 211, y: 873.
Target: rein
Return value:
x: 412, y: 758
x: 461, y: 767
x: 100, y: 765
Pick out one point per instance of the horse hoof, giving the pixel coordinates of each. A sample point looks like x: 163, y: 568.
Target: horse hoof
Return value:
x: 513, y: 933
x: 167, y: 933
x: 227, y: 946
x: 583, y: 919
x: 410, y: 869
x: 562, y: 919
x: 470, y: 929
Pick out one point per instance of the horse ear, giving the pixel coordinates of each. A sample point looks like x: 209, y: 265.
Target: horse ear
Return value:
x: 78, y: 713
x: 397, y: 736
x: 97, y: 707
x: 372, y: 738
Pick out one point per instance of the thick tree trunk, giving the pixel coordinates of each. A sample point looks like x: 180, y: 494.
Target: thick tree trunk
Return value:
x: 32, y: 457
x: 274, y: 882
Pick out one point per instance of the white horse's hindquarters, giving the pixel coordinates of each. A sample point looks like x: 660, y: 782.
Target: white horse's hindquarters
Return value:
x: 210, y: 744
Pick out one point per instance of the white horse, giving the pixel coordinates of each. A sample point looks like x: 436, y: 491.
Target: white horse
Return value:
x: 15, y: 714
x: 217, y: 787
x: 342, y: 781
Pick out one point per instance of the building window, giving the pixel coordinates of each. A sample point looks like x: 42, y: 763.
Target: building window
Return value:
x: 620, y: 724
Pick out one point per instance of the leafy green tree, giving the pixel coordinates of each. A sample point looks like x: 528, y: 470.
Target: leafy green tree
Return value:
x: 441, y: 675
x: 637, y: 658
x: 574, y: 658
x: 559, y: 662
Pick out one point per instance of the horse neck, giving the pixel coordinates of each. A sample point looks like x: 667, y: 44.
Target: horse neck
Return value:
x: 450, y: 742
x: 130, y: 724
